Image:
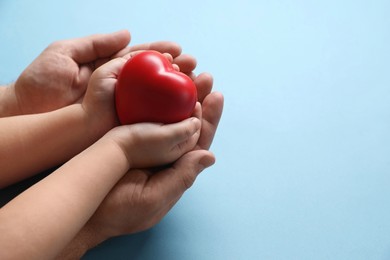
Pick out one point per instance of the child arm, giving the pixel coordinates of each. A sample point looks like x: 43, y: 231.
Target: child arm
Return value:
x: 40, y: 222
x: 32, y: 143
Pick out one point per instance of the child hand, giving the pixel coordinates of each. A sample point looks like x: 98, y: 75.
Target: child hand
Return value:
x: 151, y: 144
x: 99, y: 101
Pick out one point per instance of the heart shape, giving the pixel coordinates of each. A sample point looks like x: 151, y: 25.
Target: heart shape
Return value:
x: 149, y: 89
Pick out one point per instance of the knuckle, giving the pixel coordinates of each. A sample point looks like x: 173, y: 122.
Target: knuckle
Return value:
x: 188, y: 180
x: 188, y: 131
x: 57, y: 44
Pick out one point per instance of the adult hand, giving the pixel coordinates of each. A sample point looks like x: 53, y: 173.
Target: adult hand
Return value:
x: 60, y: 74
x: 143, y: 197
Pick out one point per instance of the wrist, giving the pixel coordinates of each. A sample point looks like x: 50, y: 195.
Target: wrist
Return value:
x: 93, y: 127
x: 9, y: 102
x: 120, y: 138
x: 100, y: 123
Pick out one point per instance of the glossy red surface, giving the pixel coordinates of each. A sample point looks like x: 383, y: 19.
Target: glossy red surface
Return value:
x: 150, y: 90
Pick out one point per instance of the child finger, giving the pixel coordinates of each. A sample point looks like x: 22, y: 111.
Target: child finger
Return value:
x: 180, y: 132
x: 110, y: 69
x: 197, y: 111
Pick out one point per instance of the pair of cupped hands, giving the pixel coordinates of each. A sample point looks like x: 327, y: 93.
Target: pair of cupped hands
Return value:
x: 60, y: 76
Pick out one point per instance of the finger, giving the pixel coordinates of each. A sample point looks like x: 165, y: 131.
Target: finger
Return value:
x: 212, y: 107
x: 99, y: 62
x: 191, y: 75
x: 166, y: 55
x: 204, y: 84
x: 109, y: 70
x: 85, y: 73
x: 90, y: 48
x: 186, y: 62
x: 175, y: 67
x: 189, y: 144
x: 173, y: 182
x: 181, y: 132
x: 197, y: 111
x: 130, y: 55
x: 169, y: 57
x: 162, y: 46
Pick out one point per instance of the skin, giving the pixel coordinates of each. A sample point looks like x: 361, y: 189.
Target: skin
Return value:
x: 144, y: 196
x: 58, y: 78
x: 74, y: 191
x: 119, y: 213
x: 59, y: 75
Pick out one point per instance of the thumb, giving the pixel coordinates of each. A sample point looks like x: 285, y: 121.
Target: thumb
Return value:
x: 191, y: 165
x: 109, y: 70
x: 103, y: 80
x: 174, y: 181
x: 91, y: 48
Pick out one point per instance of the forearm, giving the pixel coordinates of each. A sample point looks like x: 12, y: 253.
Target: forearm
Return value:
x: 61, y: 204
x: 87, y: 238
x: 33, y: 143
x: 8, y: 101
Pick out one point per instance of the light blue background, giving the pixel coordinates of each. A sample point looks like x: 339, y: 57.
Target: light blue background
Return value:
x: 303, y: 148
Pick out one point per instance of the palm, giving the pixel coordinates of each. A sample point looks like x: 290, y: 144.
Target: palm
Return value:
x: 144, y: 196
x: 124, y: 207
x: 52, y: 81
x: 59, y: 76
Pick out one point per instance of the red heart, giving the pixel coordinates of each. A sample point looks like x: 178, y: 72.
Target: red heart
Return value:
x: 150, y: 90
